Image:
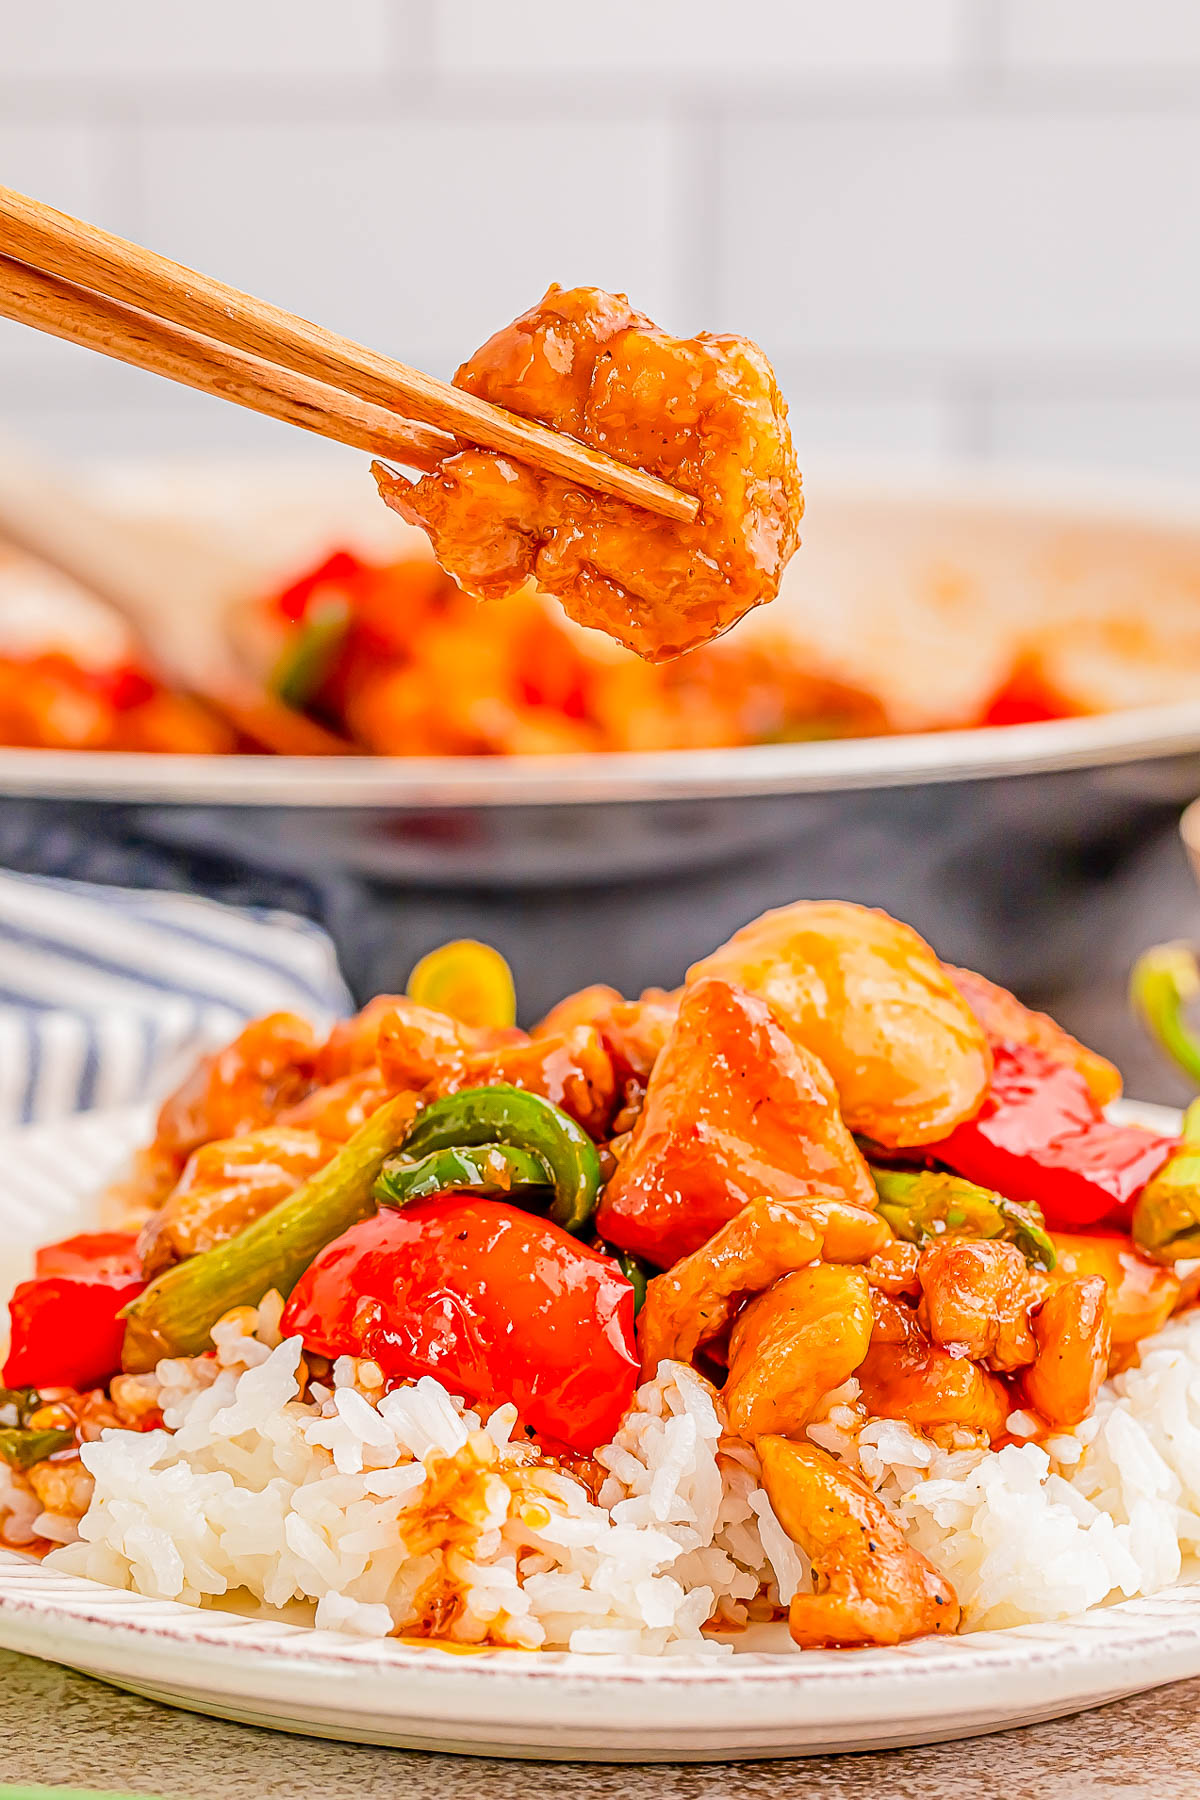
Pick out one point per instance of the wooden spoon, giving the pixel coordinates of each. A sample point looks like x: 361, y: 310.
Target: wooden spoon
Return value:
x: 174, y: 586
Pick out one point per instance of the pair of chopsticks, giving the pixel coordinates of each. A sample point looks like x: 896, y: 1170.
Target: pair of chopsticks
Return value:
x: 89, y: 287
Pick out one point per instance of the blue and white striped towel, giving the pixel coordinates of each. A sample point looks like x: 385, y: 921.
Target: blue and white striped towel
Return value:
x: 108, y: 994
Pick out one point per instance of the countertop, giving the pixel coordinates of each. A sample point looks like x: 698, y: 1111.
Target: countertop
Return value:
x: 60, y: 1728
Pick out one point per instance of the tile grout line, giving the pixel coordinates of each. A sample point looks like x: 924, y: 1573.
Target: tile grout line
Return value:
x: 982, y: 47
x: 412, y: 37
x: 980, y: 86
x: 696, y: 148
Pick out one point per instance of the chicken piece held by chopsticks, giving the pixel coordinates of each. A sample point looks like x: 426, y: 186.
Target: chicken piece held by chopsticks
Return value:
x: 703, y: 413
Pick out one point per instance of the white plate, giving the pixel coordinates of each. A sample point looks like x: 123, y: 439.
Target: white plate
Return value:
x: 768, y: 1699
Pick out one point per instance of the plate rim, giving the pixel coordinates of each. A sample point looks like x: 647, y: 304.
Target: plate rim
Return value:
x: 659, y: 1708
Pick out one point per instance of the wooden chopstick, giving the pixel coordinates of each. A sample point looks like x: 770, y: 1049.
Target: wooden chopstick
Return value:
x: 82, y: 317
x: 44, y: 239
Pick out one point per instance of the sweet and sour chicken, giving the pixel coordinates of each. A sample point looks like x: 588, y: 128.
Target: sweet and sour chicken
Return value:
x: 703, y: 413
x: 869, y: 1585
x: 780, y: 1162
x: 908, y: 1057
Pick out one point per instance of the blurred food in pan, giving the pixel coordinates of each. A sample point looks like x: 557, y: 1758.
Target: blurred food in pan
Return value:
x: 403, y: 663
x: 910, y: 611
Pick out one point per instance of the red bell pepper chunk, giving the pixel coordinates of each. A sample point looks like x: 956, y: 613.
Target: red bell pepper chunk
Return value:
x: 1041, y: 1137
x: 91, y: 1253
x: 1027, y: 696
x: 123, y: 687
x: 66, y: 1329
x: 497, y: 1304
x: 341, y: 566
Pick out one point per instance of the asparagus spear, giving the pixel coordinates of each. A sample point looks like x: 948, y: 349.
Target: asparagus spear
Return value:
x: 21, y: 1446
x: 175, y: 1315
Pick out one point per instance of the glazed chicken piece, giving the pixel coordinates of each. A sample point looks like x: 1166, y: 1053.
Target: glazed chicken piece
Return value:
x: 1007, y: 1021
x: 734, y: 1111
x: 420, y: 1050
x: 1074, y: 1338
x: 792, y: 1345
x: 976, y: 1298
x: 1142, y: 1294
x: 634, y: 1032
x: 282, y: 1125
x: 982, y: 1301
x: 225, y: 1185
x: 868, y: 997
x: 893, y: 1270
x: 871, y: 1585
x: 428, y: 1053
x: 905, y: 1375
x: 694, y: 1301
x: 703, y: 413
x: 353, y: 1084
x: 571, y: 1068
x: 349, y: 1082
x: 336, y: 1110
x: 353, y: 1044
x: 270, y: 1065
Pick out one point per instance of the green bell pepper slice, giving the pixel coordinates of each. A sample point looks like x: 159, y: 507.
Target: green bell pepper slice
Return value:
x: 1166, y: 1218
x: 1162, y: 983
x: 636, y: 1272
x: 494, y: 1171
x: 923, y: 1204
x: 522, y: 1121
x: 18, y: 1405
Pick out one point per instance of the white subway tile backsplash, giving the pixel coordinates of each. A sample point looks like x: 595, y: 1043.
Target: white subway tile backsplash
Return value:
x: 858, y: 419
x: 132, y: 425
x: 135, y: 39
x: 965, y: 237
x: 421, y: 237
x: 674, y: 38
x: 1158, y: 433
x: 1118, y: 36
x: 59, y: 163
x: 958, y: 226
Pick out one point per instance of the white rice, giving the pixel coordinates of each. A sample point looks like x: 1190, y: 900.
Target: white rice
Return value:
x: 398, y: 1510
x: 401, y: 1512
x: 1044, y: 1531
